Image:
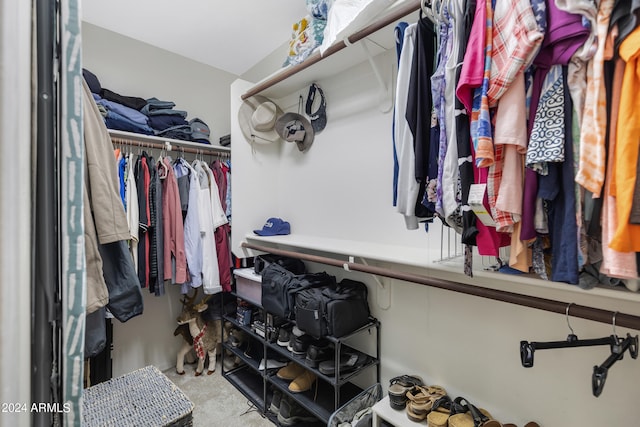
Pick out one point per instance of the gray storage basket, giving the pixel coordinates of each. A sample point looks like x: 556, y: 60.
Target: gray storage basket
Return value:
x: 366, y: 399
x: 145, y: 397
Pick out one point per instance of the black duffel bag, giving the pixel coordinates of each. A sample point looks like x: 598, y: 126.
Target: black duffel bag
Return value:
x: 279, y: 287
x: 294, y: 265
x: 334, y: 311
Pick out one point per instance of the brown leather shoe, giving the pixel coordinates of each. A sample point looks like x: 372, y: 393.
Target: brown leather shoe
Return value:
x: 290, y: 372
x: 303, y: 382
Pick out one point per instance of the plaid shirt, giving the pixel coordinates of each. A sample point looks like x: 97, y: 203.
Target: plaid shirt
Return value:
x: 516, y: 39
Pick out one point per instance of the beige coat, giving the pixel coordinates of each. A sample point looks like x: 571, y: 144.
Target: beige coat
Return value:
x: 104, y: 217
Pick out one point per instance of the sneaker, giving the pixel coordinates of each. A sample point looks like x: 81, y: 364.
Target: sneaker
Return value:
x: 284, y: 335
x: 301, y: 344
x: 274, y: 408
x: 291, y: 413
x: 318, y: 351
x: 297, y: 331
x: 290, y: 372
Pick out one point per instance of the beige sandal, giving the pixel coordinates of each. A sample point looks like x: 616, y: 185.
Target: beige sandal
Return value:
x: 420, y: 401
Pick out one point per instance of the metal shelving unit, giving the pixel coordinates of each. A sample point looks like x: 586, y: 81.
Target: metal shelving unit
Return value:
x: 328, y: 392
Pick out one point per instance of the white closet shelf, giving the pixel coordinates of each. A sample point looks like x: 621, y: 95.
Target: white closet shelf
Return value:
x: 426, y: 260
x: 336, y: 58
x: 166, y: 143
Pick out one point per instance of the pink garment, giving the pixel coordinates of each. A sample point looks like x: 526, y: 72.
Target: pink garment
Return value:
x: 511, y: 132
x: 173, y: 229
x: 472, y: 68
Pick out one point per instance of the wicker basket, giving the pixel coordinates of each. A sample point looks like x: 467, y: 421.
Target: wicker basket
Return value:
x: 145, y: 397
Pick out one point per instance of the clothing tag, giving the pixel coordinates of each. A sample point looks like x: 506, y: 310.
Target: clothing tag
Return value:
x: 476, y: 197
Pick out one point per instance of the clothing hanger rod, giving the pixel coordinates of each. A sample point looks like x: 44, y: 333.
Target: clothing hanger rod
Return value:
x: 585, y: 312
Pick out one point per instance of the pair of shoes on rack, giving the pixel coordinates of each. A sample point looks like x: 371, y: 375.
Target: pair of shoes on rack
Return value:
x: 420, y: 400
x: 301, y: 379
x: 398, y: 388
x: 290, y: 412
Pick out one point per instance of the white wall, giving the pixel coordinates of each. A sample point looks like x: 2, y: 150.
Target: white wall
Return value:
x: 133, y: 68
x: 341, y: 189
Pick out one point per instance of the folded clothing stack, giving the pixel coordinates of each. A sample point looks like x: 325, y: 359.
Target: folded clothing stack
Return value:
x: 150, y: 116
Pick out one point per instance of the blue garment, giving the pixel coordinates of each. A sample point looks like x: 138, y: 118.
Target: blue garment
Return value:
x: 156, y: 104
x: 182, y: 132
x: 162, y: 122
x: 116, y: 121
x: 558, y: 187
x: 122, y: 168
x: 399, y: 34
x: 123, y: 110
x: 157, y: 107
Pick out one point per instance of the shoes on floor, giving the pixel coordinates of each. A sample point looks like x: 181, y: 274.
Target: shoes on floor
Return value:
x: 303, y: 382
x: 291, y: 413
x: 290, y: 372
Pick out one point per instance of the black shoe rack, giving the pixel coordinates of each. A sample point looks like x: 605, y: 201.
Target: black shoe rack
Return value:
x: 326, y: 395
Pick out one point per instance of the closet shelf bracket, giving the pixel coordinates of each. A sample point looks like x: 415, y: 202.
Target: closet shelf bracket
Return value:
x: 385, y: 98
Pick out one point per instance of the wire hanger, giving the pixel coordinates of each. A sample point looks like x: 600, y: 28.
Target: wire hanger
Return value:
x: 527, y: 349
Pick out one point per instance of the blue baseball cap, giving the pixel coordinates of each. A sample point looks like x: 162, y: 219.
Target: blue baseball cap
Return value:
x: 274, y: 227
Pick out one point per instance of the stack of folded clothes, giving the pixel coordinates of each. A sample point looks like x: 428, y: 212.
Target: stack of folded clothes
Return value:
x: 146, y: 116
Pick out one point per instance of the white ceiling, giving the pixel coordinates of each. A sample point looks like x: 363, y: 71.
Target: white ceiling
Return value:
x: 231, y: 35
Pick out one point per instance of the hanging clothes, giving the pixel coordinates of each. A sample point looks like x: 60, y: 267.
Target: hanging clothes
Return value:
x: 210, y: 272
x: 192, y: 238
x: 408, y: 188
x: 175, y: 260
x: 132, y: 208
x: 627, y: 235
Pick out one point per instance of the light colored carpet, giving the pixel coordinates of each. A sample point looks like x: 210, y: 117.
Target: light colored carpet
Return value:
x: 216, y: 402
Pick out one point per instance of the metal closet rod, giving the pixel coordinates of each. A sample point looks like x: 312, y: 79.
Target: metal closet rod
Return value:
x: 584, y: 312
x: 338, y: 46
x: 205, y: 150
